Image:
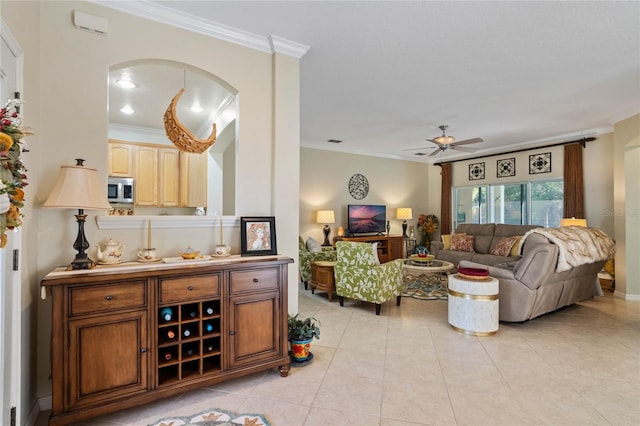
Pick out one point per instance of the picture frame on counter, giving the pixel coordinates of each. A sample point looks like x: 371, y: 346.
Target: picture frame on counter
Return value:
x: 258, y: 236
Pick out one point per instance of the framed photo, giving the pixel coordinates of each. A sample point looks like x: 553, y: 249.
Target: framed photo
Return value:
x: 476, y: 171
x: 258, y: 236
x: 506, y: 167
x: 540, y: 163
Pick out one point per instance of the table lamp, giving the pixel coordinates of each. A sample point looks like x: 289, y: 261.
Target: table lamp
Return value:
x: 404, y: 214
x: 326, y: 217
x: 573, y: 222
x: 78, y: 187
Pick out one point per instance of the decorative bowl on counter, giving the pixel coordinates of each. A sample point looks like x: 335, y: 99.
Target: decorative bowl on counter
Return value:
x: 189, y: 253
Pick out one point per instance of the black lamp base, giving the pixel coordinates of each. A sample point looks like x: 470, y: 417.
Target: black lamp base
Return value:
x: 81, y: 244
x: 404, y: 230
x: 326, y: 231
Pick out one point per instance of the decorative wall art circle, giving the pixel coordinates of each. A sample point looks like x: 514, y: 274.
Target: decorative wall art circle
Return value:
x: 506, y: 167
x: 540, y: 163
x: 476, y: 171
x: 358, y: 186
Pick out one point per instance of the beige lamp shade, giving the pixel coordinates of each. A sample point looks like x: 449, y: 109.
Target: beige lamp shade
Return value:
x: 573, y: 222
x: 404, y: 213
x: 326, y: 216
x: 78, y: 187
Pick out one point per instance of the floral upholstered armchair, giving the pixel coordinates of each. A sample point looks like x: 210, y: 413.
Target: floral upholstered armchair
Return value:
x: 359, y: 276
x: 305, y: 257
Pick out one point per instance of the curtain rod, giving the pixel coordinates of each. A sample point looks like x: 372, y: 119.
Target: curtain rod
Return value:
x: 582, y: 141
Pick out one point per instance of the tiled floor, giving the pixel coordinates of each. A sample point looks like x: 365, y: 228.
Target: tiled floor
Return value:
x: 577, y: 366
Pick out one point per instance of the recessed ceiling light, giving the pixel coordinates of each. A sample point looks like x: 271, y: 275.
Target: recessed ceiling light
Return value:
x: 126, y: 84
x: 126, y: 109
x: 196, y: 108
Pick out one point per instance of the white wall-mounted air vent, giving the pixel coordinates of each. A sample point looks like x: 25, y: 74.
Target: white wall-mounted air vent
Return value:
x: 94, y: 24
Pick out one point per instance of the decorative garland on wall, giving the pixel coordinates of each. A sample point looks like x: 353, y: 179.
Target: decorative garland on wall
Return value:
x: 13, y: 176
x: 180, y: 135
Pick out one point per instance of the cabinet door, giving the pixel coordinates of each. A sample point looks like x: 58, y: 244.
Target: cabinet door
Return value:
x: 169, y: 160
x: 146, y: 177
x: 120, y: 159
x: 107, y: 358
x: 396, y: 248
x: 254, y: 328
x: 193, y: 179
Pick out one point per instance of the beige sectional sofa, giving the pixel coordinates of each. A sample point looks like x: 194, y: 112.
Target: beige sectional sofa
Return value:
x: 487, y: 236
x: 531, y: 283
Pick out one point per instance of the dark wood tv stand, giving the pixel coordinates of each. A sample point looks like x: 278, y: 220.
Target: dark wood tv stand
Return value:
x: 390, y: 247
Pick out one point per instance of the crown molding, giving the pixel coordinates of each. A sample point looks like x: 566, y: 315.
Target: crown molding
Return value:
x: 166, y: 15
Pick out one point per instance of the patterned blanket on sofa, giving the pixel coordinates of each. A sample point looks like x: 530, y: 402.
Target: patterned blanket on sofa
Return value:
x: 577, y: 245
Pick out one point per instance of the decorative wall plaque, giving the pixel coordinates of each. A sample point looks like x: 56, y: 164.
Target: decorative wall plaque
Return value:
x: 506, y: 167
x: 476, y: 171
x: 540, y: 163
x: 358, y: 186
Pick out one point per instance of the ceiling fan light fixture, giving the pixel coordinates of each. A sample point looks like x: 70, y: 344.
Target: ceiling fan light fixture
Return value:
x: 445, y: 140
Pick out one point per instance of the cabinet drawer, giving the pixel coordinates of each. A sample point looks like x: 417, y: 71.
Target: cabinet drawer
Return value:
x: 189, y: 288
x: 84, y: 300
x: 259, y: 279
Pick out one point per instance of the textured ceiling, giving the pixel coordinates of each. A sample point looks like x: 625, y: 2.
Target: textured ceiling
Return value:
x: 382, y: 76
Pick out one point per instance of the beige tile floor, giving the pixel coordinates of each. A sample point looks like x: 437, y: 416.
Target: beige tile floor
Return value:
x: 577, y: 366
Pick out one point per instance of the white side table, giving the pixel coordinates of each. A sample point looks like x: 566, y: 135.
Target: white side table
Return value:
x: 473, y: 305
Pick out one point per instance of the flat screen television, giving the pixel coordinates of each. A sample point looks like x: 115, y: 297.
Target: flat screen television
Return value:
x: 366, y: 219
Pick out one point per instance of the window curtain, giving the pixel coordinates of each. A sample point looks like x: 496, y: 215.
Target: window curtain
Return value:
x: 573, y: 182
x: 445, y: 199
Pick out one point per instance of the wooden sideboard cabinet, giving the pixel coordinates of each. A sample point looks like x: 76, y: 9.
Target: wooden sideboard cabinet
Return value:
x: 128, y: 334
x: 389, y: 247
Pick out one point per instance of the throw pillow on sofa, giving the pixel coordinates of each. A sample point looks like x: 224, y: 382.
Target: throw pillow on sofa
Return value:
x: 504, y: 246
x: 313, y: 245
x: 446, y: 240
x: 462, y: 242
x: 515, y: 250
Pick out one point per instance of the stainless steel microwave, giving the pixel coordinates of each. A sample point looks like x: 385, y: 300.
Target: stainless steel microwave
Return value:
x: 120, y: 190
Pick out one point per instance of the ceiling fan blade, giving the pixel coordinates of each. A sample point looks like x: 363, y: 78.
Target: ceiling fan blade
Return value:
x: 417, y: 149
x: 468, y: 141
x: 435, y: 152
x: 463, y: 149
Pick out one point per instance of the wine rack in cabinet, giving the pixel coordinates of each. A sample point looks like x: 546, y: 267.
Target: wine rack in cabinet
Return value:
x: 189, y: 328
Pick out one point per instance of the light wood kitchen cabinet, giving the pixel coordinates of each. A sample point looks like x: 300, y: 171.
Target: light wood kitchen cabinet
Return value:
x: 164, y: 176
x: 112, y: 347
x: 169, y: 181
x: 193, y: 179
x: 120, y: 159
x: 146, y: 175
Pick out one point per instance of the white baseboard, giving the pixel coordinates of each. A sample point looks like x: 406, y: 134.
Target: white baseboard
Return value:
x: 41, y: 404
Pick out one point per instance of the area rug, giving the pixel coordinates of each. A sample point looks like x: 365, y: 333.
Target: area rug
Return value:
x: 425, y: 287
x: 215, y: 417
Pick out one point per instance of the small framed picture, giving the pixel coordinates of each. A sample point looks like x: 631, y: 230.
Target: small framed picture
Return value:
x: 506, y: 167
x: 476, y: 171
x: 258, y: 236
x: 540, y: 163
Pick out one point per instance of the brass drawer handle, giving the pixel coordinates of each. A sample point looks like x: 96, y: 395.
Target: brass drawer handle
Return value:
x: 190, y: 288
x: 255, y: 280
x: 109, y: 297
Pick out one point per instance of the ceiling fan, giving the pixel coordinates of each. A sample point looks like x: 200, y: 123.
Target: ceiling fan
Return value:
x: 445, y: 142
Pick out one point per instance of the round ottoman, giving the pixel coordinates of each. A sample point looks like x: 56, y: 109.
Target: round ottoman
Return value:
x: 473, y: 304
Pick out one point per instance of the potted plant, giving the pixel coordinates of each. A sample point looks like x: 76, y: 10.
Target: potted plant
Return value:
x: 301, y: 333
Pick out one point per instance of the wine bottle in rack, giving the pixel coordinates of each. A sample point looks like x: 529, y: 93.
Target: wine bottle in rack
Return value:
x: 189, y: 352
x: 167, y: 356
x: 166, y: 314
x: 186, y: 332
x: 171, y: 334
x: 208, y: 327
x: 209, y: 310
x: 209, y: 348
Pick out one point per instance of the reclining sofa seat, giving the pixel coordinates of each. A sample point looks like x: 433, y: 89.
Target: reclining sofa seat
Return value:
x: 531, y: 286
